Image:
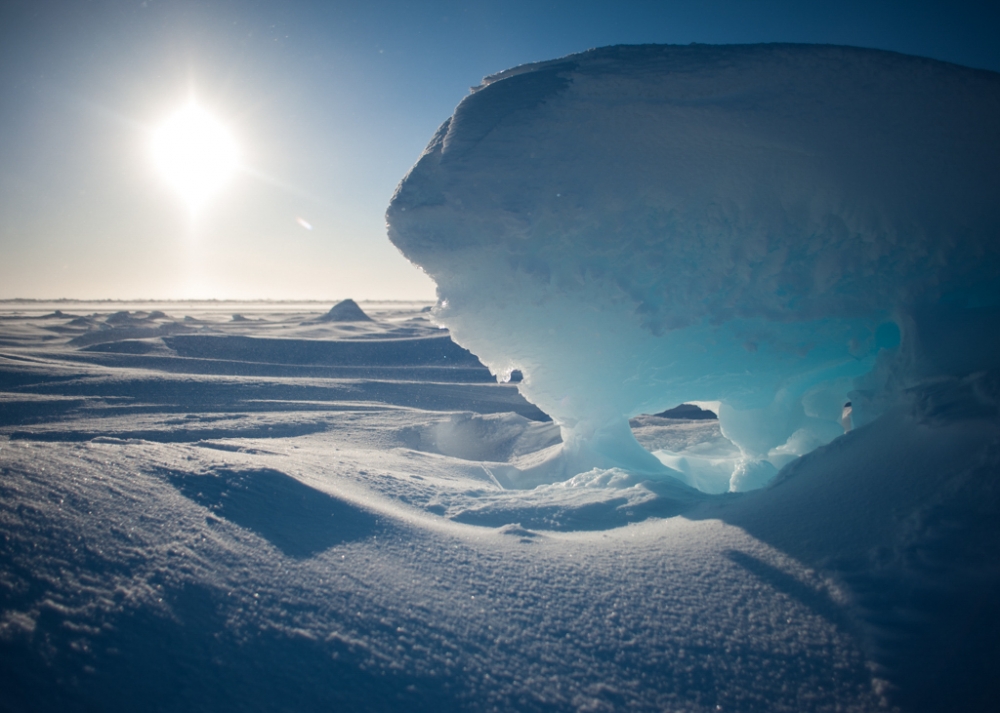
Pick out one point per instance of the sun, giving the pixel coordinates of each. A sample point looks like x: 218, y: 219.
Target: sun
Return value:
x: 195, y: 153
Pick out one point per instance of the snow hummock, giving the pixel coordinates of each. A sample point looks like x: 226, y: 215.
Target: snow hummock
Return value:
x: 345, y: 311
x: 779, y: 228
x: 690, y: 412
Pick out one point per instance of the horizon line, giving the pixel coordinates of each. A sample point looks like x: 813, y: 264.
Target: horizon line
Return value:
x: 6, y: 300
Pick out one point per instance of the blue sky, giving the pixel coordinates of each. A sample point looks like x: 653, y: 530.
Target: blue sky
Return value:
x: 331, y: 103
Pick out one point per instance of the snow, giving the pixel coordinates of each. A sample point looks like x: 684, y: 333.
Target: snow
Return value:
x: 281, y: 513
x: 345, y: 311
x: 204, y: 533
x: 637, y: 227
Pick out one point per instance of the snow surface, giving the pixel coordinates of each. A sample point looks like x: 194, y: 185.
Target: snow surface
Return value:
x: 230, y: 528
x: 637, y: 227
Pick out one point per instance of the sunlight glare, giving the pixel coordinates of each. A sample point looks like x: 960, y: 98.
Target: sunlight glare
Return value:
x: 194, y: 153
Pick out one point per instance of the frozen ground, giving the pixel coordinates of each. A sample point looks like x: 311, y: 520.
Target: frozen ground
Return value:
x: 202, y: 513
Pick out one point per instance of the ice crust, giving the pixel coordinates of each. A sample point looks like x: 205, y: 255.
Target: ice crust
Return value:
x: 780, y: 228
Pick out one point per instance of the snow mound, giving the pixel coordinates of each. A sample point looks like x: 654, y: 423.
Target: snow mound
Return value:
x: 689, y: 412
x: 780, y: 228
x: 345, y: 311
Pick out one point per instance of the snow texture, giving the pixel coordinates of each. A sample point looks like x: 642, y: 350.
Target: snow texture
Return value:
x: 204, y: 526
x: 781, y: 228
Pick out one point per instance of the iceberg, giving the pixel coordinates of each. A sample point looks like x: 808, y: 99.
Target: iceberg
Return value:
x: 779, y: 228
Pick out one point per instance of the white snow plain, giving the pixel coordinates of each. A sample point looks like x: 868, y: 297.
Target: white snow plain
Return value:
x: 781, y: 228
x: 280, y: 513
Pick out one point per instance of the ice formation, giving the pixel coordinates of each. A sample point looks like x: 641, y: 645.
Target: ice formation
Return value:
x: 780, y: 228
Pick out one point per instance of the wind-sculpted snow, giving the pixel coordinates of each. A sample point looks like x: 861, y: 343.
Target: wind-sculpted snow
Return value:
x: 186, y: 532
x: 636, y: 227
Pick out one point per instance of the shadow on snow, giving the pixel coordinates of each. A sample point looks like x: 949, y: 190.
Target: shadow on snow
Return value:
x: 298, y: 520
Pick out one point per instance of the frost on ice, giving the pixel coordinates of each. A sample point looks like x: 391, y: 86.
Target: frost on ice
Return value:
x: 779, y: 228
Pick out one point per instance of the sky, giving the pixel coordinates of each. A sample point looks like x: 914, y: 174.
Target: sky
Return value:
x: 330, y: 103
